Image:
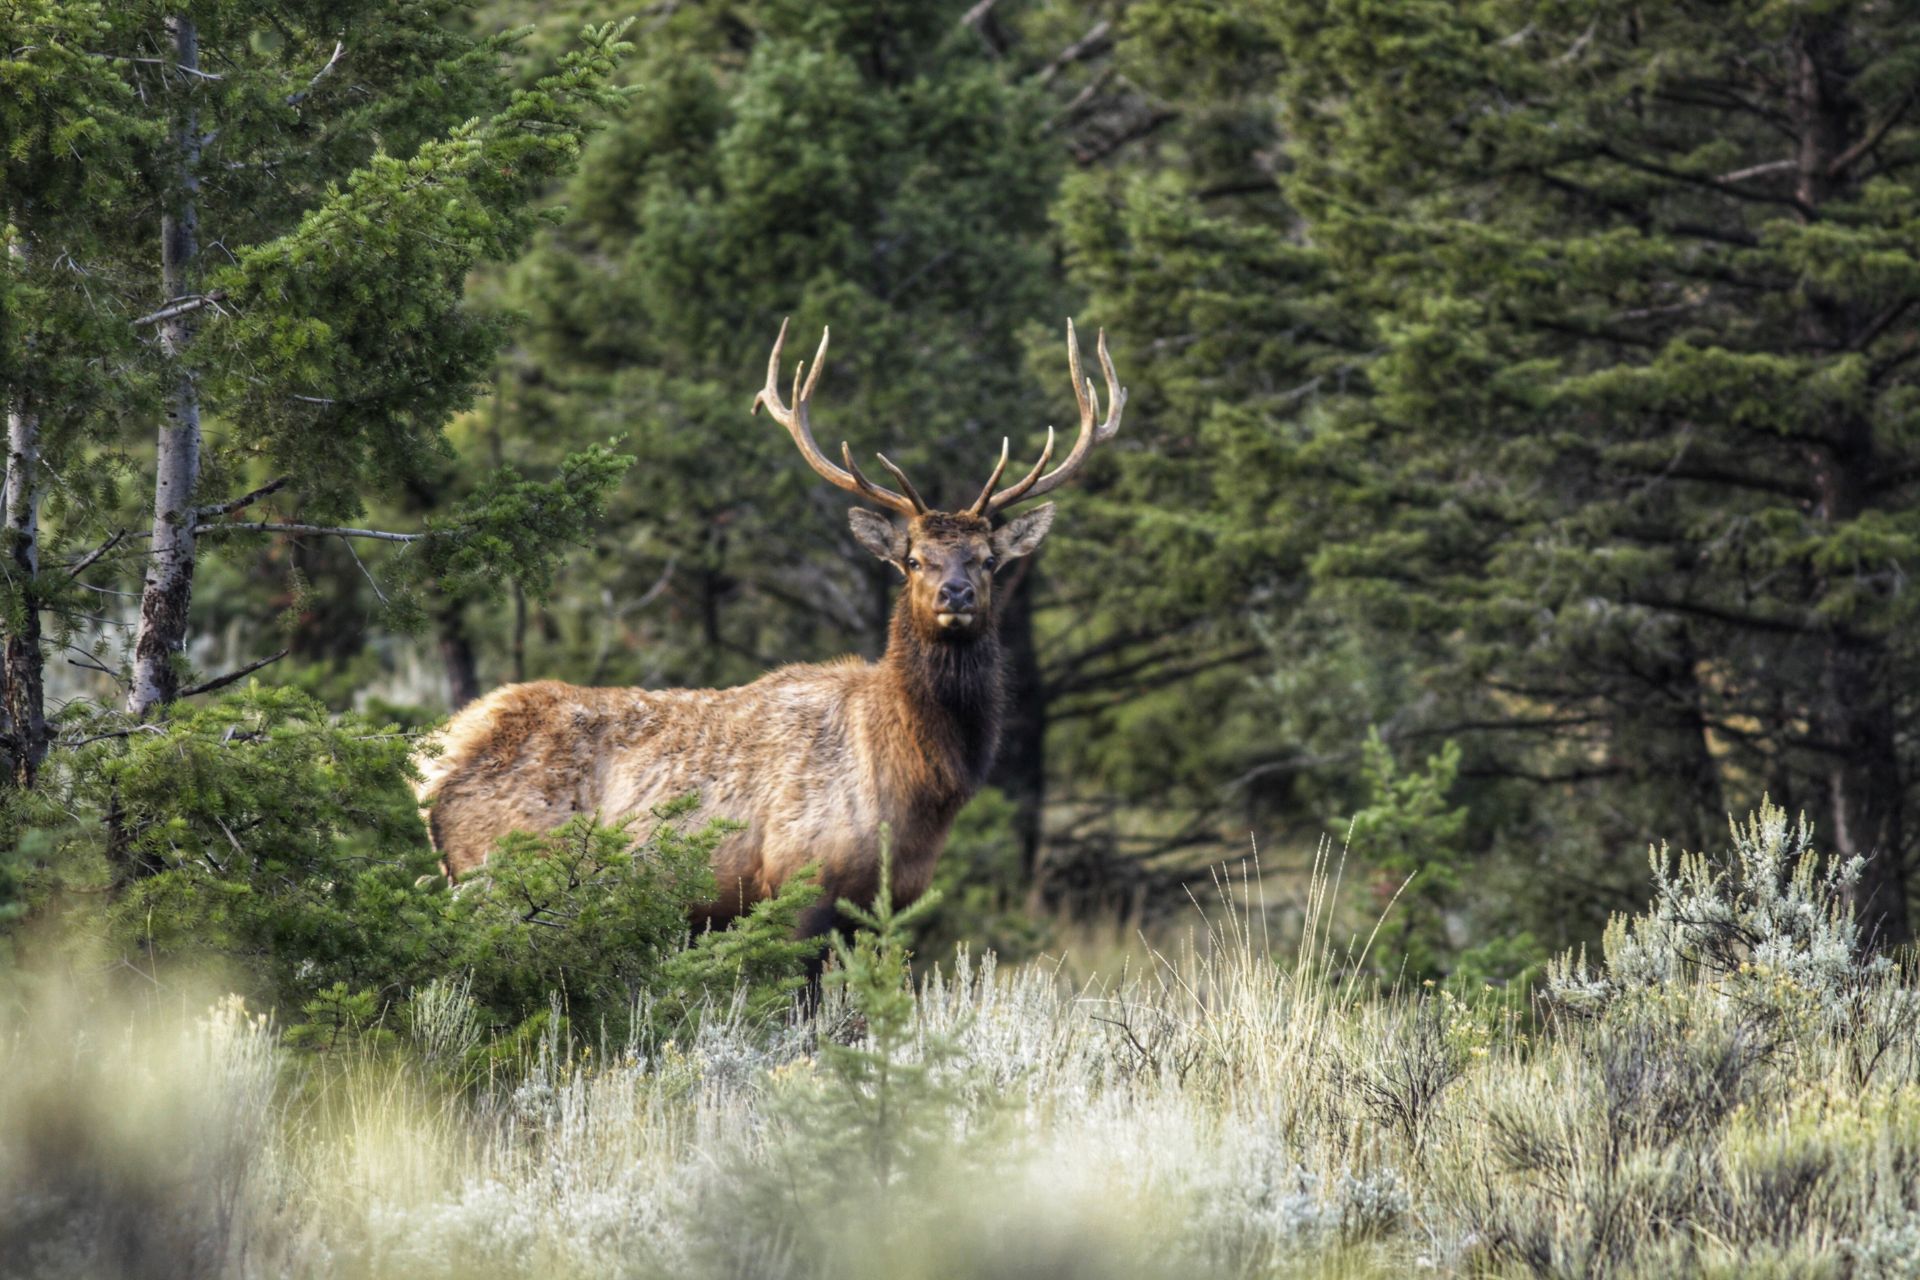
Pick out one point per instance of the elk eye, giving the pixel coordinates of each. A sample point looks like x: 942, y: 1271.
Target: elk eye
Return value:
x: 991, y: 562
x: 912, y: 563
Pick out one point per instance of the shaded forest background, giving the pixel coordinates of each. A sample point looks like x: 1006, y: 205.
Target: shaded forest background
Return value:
x: 1520, y: 453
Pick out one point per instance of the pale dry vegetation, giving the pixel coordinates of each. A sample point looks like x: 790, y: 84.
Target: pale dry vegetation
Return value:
x: 1727, y: 1090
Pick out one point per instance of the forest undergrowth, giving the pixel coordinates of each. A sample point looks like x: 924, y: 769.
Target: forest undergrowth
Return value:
x: 1729, y: 1088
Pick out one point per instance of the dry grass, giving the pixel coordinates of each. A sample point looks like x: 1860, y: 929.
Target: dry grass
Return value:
x: 1210, y: 1112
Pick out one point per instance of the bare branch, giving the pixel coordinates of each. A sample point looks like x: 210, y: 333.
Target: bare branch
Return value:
x: 1845, y: 160
x: 92, y: 665
x: 84, y: 562
x: 1758, y: 170
x: 977, y: 13
x: 245, y: 500
x: 221, y: 682
x: 1098, y: 39
x: 181, y: 306
x: 162, y: 62
x: 72, y: 743
x: 295, y: 99
x: 348, y: 544
x: 320, y: 530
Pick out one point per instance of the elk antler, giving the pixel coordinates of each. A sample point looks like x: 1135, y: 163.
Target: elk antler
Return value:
x: 795, y: 420
x: 1033, y: 484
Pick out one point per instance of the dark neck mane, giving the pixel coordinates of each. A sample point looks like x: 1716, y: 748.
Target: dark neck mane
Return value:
x: 952, y: 691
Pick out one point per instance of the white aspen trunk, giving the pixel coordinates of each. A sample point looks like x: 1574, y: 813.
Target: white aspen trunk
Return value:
x: 23, y: 672
x: 168, y: 591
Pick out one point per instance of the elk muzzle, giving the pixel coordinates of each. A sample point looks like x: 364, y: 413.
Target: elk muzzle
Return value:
x: 955, y: 603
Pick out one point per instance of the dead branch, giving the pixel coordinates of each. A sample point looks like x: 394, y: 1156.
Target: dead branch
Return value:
x: 295, y: 99
x: 84, y: 562
x: 181, y: 306
x: 221, y: 682
x: 245, y: 500
x: 319, y: 530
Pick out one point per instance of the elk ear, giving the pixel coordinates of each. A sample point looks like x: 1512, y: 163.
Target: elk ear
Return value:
x: 879, y: 535
x: 1021, y: 535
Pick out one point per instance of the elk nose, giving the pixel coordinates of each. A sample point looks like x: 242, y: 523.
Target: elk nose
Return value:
x: 957, y: 596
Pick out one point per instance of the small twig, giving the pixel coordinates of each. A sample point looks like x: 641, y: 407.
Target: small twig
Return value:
x: 1079, y: 100
x: 92, y: 665
x: 221, y: 682
x: 348, y: 544
x: 231, y: 839
x: 84, y: 562
x: 244, y: 500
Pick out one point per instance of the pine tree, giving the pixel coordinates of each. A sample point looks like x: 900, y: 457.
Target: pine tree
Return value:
x: 1638, y: 440
x: 244, y: 232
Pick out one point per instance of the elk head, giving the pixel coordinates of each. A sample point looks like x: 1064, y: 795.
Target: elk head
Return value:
x: 948, y: 558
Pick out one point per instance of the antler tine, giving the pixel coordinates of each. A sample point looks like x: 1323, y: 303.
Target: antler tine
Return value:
x: 911, y: 505
x: 1036, y: 484
x: 979, y: 507
x: 769, y: 395
x: 798, y: 422
x: 913, y: 494
x: 1082, y: 385
x: 1116, y: 394
x: 1018, y: 490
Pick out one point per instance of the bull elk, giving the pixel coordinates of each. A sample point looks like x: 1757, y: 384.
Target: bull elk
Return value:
x: 815, y: 759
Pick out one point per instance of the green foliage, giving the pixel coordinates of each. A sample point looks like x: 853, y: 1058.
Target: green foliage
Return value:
x: 1770, y: 927
x: 874, y: 1116
x: 584, y: 914
x: 352, y: 343
x: 884, y: 1106
x: 851, y: 164
x: 285, y: 846
x: 752, y: 969
x: 337, y: 1019
x: 1409, y: 832
x: 513, y: 529
x: 1623, y: 427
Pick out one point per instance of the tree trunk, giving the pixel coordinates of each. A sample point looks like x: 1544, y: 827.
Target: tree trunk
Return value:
x: 456, y: 654
x: 168, y: 590
x: 1677, y: 765
x: 1020, y: 766
x: 1863, y: 788
x: 1853, y: 716
x: 23, y: 674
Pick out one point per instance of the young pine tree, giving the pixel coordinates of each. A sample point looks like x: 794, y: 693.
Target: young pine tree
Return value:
x: 238, y: 241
